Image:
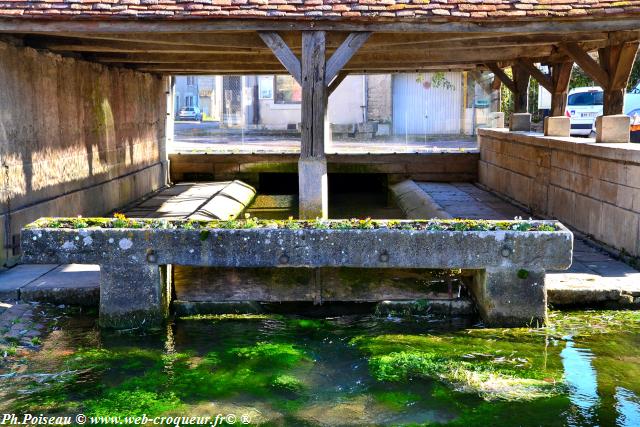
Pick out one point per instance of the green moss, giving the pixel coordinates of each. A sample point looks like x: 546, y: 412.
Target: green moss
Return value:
x: 523, y: 274
x: 120, y: 221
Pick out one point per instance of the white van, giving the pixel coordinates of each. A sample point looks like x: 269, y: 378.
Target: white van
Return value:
x: 584, y: 104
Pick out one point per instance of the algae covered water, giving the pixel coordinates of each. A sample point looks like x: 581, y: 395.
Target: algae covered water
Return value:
x: 581, y: 370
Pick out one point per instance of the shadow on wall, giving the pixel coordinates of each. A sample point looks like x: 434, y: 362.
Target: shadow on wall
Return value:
x: 68, y: 125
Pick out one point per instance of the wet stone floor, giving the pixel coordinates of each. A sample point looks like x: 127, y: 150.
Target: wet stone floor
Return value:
x: 581, y: 370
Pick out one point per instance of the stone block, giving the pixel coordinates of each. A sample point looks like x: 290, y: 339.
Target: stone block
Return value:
x: 313, y: 188
x: 496, y: 119
x: 613, y: 129
x: 557, y: 126
x: 520, y: 122
x: 134, y: 296
x: 511, y: 297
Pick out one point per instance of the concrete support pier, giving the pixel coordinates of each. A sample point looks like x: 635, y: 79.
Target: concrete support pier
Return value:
x: 134, y: 295
x: 505, y: 297
x: 314, y: 188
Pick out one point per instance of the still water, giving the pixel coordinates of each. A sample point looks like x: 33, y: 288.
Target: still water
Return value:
x: 581, y: 370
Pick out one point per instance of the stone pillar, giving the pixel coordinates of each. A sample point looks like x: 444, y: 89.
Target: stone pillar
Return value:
x: 557, y: 126
x: 134, y: 296
x: 312, y: 167
x: 508, y: 297
x: 520, y: 122
x: 613, y: 129
x: 314, y: 188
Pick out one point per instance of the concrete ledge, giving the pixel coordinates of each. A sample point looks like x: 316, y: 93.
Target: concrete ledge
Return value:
x: 76, y: 284
x: 135, y: 288
x: 415, y: 203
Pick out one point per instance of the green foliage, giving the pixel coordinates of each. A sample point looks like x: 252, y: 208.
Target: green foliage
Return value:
x: 523, y: 274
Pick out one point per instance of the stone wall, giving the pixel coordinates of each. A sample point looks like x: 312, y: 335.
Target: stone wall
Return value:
x: 379, y: 97
x: 594, y: 188
x: 76, y: 138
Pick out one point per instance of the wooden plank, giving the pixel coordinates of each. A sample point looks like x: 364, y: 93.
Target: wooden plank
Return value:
x: 314, y: 95
x: 343, y: 54
x: 283, y: 53
x: 336, y: 82
x: 497, y: 71
x: 535, y: 72
x: 588, y: 64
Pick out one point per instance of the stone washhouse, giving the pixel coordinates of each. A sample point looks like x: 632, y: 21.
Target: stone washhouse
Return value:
x: 86, y: 104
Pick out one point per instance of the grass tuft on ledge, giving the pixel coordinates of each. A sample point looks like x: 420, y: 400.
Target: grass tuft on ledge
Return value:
x: 119, y: 221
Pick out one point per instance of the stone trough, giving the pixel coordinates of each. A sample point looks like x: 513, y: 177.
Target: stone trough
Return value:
x: 508, y: 266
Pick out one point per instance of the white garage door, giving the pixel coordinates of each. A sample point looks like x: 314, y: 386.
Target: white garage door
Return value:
x: 419, y: 108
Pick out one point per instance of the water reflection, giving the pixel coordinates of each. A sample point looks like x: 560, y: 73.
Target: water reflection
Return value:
x: 582, y: 381
x: 628, y: 408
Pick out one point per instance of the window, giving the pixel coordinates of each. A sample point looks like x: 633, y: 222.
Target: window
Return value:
x: 287, y: 90
x: 188, y: 101
x: 191, y: 80
x: 265, y: 87
x: 585, y: 98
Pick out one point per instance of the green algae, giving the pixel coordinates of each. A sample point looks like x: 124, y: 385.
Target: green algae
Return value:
x: 491, y: 369
x: 300, y: 371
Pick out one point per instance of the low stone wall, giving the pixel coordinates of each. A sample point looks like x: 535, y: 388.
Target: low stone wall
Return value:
x: 594, y: 188
x: 76, y: 138
x: 440, y: 167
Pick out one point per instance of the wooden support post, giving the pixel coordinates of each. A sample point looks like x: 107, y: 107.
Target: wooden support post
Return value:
x: 560, y: 77
x: 312, y: 166
x: 318, y: 78
x: 519, y: 85
x: 617, y: 62
x: 521, y: 93
x: 611, y: 72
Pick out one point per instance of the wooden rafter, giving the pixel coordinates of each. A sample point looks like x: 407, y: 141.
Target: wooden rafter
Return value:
x: 535, y: 72
x: 284, y: 54
x: 586, y: 62
x: 336, y: 82
x: 501, y: 75
x: 343, y: 54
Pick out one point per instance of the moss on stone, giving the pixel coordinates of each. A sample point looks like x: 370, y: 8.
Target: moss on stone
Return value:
x: 120, y: 221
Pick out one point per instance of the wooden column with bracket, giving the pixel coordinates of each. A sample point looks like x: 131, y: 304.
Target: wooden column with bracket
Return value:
x: 318, y: 78
x: 611, y: 71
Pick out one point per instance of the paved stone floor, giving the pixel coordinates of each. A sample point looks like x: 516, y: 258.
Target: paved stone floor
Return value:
x: 595, y: 277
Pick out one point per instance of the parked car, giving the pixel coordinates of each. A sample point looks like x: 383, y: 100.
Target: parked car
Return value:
x: 584, y: 104
x: 189, y: 113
